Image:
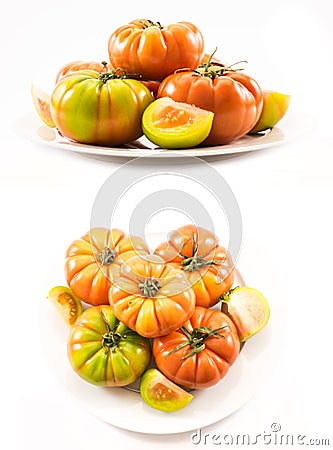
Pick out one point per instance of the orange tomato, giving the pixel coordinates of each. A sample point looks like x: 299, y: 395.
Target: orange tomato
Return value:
x: 207, y: 265
x: 200, y: 353
x: 151, y: 297
x: 74, y: 66
x: 93, y: 262
x: 155, y: 51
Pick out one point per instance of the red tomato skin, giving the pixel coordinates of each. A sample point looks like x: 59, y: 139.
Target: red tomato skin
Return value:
x: 155, y: 51
x: 235, y: 99
x: 207, y: 367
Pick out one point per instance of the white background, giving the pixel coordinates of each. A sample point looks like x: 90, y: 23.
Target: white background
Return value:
x: 285, y: 195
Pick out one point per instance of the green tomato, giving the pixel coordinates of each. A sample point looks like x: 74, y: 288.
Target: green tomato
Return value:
x: 100, y: 109
x: 104, y: 352
x: 161, y: 393
x: 173, y: 125
x: 274, y: 108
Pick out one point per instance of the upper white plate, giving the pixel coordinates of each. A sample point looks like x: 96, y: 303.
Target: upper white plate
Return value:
x: 292, y: 126
x: 126, y: 409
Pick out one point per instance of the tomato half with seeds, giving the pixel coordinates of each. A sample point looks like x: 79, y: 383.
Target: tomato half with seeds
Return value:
x: 173, y: 125
x: 151, y: 297
x: 105, y: 352
x: 201, y: 352
x: 100, y: 109
x: 161, y: 393
x: 235, y: 99
x: 93, y: 262
x: 153, y: 50
x: 207, y: 265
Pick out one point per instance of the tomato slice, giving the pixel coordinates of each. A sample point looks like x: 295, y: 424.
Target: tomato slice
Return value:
x: 274, y: 108
x: 170, y: 124
x: 42, y: 104
x: 248, y: 309
x: 68, y: 305
x: 161, y: 393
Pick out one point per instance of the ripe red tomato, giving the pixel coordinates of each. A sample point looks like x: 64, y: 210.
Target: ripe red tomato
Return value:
x: 94, y: 261
x: 155, y: 51
x: 207, y: 265
x: 74, y: 66
x: 235, y: 99
x: 151, y: 297
x: 200, y: 353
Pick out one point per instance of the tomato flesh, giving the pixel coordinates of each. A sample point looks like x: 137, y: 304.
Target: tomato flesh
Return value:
x: 161, y: 393
x: 42, y: 104
x: 170, y: 124
x: 68, y: 305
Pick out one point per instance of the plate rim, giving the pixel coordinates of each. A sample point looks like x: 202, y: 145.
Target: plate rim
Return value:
x: 283, y: 133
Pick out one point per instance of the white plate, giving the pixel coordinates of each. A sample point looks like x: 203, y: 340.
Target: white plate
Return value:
x: 125, y: 408
x: 292, y: 126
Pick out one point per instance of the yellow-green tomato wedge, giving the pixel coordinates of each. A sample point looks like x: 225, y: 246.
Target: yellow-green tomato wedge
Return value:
x: 161, y: 393
x: 274, y: 108
x: 68, y: 305
x: 176, y: 125
x: 248, y: 309
x: 42, y: 103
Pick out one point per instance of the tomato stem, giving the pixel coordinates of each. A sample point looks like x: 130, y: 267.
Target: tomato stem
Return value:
x: 195, y: 262
x: 214, y: 69
x: 196, y: 339
x: 224, y: 298
x: 150, y: 287
x: 119, y: 74
x: 106, y: 256
x: 149, y: 23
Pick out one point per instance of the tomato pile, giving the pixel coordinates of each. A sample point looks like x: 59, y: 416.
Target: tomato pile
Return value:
x: 104, y: 103
x: 163, y: 307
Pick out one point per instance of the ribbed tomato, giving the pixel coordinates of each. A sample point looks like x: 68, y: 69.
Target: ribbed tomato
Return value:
x: 151, y: 297
x: 74, y: 66
x: 207, y: 265
x: 100, y: 109
x: 200, y: 353
x: 105, y: 352
x: 155, y: 51
x: 93, y: 262
x: 235, y: 99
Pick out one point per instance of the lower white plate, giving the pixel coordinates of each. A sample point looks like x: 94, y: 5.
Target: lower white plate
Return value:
x: 125, y: 409
x: 291, y: 127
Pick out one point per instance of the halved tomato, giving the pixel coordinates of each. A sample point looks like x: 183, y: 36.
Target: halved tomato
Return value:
x: 68, y: 305
x: 171, y: 124
x: 161, y: 393
x: 42, y: 102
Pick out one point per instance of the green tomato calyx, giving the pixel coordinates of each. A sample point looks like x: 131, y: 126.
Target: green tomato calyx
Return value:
x: 194, y: 262
x: 112, y: 337
x: 196, y: 339
x: 225, y: 298
x: 118, y: 74
x: 213, y: 68
x: 106, y: 256
x: 150, y: 287
x: 149, y: 23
